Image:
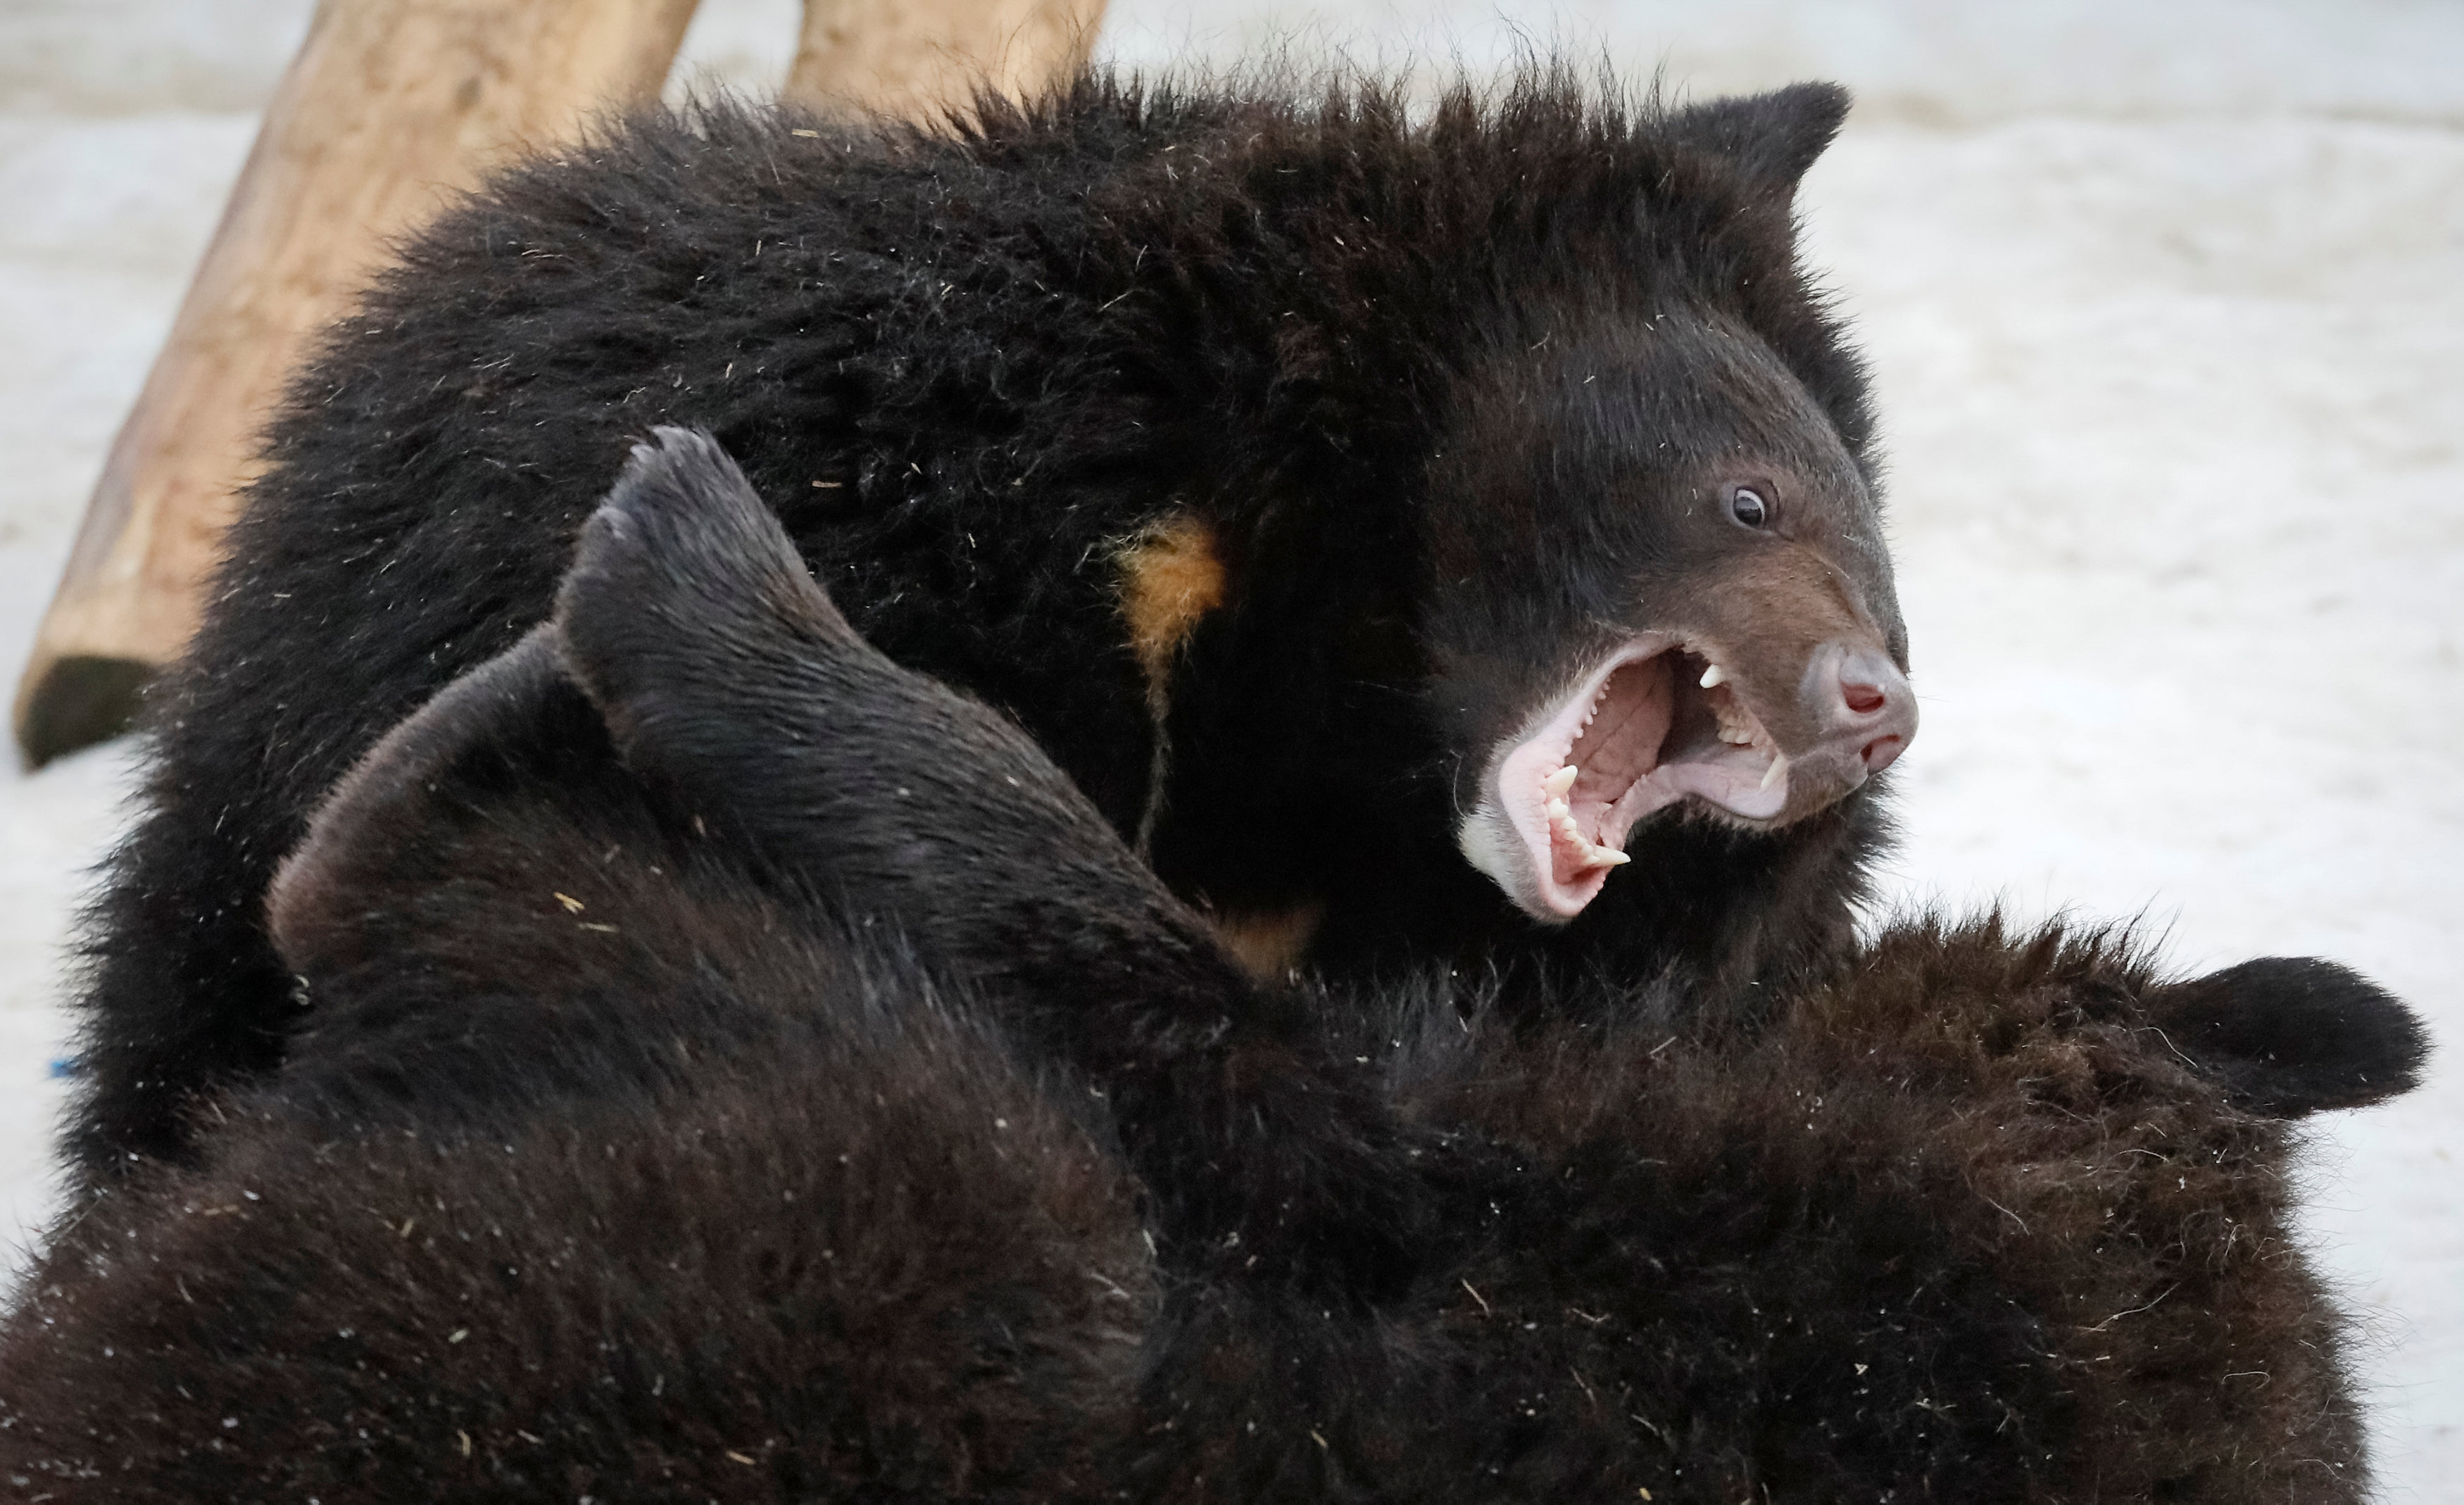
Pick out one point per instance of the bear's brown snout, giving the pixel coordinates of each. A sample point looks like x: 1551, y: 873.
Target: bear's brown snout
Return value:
x: 1857, y: 697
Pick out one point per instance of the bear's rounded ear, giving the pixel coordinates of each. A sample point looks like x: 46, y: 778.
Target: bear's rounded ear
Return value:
x: 1772, y: 138
x: 353, y: 856
x: 2289, y: 1036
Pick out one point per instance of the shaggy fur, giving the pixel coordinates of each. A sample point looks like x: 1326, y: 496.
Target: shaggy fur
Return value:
x: 1424, y: 411
x: 635, y: 1155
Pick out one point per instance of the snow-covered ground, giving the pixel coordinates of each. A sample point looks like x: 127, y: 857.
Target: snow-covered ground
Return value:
x: 2166, y: 305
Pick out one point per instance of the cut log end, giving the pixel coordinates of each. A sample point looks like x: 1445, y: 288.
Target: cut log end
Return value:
x: 82, y: 699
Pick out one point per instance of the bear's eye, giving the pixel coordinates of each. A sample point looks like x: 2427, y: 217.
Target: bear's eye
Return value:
x: 1747, y: 506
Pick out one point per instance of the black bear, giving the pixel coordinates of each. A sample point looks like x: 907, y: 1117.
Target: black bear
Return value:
x: 743, y: 1069
x: 1393, y: 523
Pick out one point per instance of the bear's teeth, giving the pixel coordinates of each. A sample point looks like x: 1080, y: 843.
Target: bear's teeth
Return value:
x: 1770, y: 774
x: 1733, y: 729
x: 1713, y: 676
x: 1586, y: 853
x: 1555, y: 785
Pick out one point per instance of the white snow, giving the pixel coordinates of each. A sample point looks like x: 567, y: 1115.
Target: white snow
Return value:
x: 2167, y: 309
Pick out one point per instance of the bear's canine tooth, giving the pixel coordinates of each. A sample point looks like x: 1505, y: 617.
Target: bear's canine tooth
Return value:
x: 1770, y: 774
x: 1714, y: 675
x: 1555, y: 785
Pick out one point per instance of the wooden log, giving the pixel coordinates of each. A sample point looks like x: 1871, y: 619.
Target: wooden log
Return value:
x: 922, y: 59
x: 390, y: 105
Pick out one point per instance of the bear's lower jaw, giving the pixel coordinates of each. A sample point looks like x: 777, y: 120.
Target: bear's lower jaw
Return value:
x: 1654, y: 723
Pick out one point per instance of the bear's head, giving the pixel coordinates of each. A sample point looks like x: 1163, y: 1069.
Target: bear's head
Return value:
x: 1660, y: 581
x: 1547, y: 540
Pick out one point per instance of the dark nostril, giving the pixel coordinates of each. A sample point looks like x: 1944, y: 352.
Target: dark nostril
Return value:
x: 1863, y: 699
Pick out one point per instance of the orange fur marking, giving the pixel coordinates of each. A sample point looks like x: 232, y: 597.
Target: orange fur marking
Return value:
x: 1269, y: 944
x: 1171, y: 578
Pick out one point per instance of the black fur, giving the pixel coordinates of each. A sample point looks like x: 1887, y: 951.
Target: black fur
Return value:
x: 966, y: 372
x: 743, y: 1069
x: 2293, y: 1035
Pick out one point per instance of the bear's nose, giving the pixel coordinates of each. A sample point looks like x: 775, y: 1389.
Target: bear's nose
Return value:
x: 1861, y: 698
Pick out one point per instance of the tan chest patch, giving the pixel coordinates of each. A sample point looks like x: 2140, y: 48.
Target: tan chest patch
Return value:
x: 1171, y: 578
x: 1269, y: 944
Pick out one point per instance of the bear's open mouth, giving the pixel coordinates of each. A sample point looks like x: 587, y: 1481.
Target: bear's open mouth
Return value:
x: 1656, y: 722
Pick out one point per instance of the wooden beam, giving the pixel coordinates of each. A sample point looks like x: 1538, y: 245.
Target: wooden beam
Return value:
x: 389, y: 107
x: 922, y: 59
